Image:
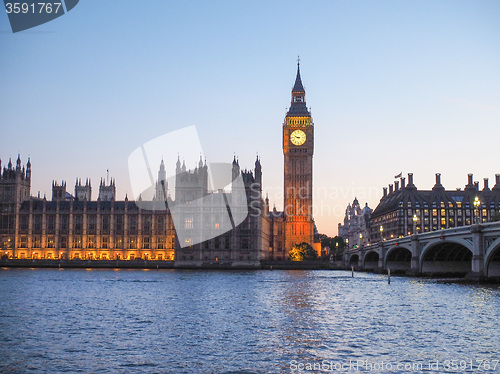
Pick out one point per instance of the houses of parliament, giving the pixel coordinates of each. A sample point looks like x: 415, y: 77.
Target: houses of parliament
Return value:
x: 79, y: 226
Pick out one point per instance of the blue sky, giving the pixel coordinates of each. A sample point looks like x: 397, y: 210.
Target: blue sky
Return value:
x: 393, y: 86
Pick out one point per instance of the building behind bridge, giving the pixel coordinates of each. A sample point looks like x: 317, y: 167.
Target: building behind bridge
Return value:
x: 355, y: 230
x: 405, y: 210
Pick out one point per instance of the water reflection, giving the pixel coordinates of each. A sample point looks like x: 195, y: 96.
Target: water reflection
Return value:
x: 242, y: 321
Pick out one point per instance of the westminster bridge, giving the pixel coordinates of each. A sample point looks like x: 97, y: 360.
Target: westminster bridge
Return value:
x: 473, y: 250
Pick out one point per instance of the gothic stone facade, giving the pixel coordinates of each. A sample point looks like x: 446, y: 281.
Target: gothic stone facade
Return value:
x: 76, y: 227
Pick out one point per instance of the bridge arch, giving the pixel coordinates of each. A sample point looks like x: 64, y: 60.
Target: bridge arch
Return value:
x: 398, y: 258
x: 354, y: 260
x: 492, y: 259
x: 371, y: 260
x: 446, y: 256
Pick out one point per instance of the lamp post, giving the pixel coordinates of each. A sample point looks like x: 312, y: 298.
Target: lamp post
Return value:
x: 381, y: 232
x: 415, y: 219
x: 477, y: 203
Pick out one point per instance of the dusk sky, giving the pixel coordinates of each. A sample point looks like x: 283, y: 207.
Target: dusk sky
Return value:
x: 393, y: 87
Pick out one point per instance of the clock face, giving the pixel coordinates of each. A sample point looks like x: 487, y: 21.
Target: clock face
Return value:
x: 298, y: 137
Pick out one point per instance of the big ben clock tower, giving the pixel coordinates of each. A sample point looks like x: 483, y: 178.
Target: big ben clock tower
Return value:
x: 298, y: 147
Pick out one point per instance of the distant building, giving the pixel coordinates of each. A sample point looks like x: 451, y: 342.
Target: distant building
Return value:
x: 356, y: 228
x: 404, y: 210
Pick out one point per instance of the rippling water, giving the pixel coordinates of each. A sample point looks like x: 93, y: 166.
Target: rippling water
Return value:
x: 134, y: 321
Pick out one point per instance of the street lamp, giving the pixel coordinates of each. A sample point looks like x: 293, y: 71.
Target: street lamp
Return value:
x: 381, y: 232
x: 415, y: 219
x: 477, y: 203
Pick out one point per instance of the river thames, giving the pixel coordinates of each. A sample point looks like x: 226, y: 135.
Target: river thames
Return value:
x: 180, y: 321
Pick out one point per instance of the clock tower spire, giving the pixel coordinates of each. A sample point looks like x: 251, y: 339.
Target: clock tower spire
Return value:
x: 298, y: 148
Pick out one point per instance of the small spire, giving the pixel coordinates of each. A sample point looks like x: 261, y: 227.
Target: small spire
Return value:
x: 298, y: 87
x: 18, y: 162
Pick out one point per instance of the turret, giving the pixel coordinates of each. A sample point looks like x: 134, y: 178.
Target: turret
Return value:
x: 107, y: 192
x: 83, y: 192
x: 28, y: 170
x: 258, y: 173
x: 178, y: 165
x: 236, y: 169
x: 161, y: 184
x: 58, y: 191
x: 18, y: 163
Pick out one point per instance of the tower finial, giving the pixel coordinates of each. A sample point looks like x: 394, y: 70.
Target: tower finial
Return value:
x: 298, y: 60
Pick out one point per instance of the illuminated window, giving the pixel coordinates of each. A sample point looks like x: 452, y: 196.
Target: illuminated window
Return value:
x: 217, y: 226
x: 189, y: 223
x: 187, y: 241
x: 161, y: 242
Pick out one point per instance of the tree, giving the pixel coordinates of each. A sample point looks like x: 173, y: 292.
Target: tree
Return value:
x: 303, y: 252
x: 336, y: 245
